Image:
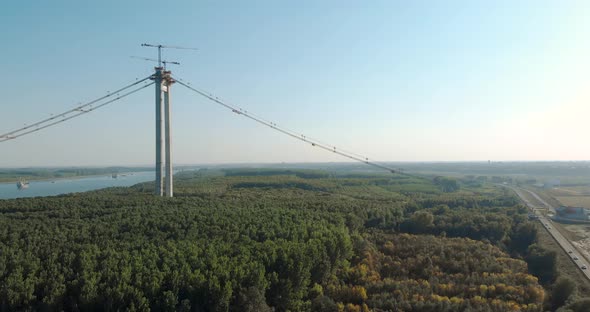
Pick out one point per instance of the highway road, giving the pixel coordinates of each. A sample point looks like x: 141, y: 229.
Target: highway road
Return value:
x: 543, y: 202
x: 579, y: 260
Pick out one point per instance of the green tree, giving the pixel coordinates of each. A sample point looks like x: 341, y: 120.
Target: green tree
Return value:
x: 251, y: 299
x: 523, y: 236
x: 542, y: 263
x: 563, y: 289
x: 422, y: 220
x: 580, y: 305
x: 446, y: 184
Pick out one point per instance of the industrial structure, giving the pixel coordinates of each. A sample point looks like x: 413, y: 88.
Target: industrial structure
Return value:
x: 163, y: 81
x: 572, y: 214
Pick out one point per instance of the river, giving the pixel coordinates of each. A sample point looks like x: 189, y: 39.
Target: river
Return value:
x: 74, y: 185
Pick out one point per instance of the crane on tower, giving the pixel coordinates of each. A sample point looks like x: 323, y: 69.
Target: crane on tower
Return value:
x: 161, y: 46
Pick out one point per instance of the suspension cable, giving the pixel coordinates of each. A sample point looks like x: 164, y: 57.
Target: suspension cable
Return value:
x: 80, y: 109
x: 77, y: 108
x: 293, y: 134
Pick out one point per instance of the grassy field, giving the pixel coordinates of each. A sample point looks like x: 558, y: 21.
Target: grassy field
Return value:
x: 575, y: 190
x: 577, y: 196
x: 574, y: 201
x: 570, y: 191
x: 546, y: 196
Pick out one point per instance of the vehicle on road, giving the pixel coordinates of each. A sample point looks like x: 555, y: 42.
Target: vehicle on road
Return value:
x: 570, y: 252
x: 584, y: 267
x: 576, y: 258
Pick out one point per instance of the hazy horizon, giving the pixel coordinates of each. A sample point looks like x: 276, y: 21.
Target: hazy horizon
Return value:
x: 355, y: 163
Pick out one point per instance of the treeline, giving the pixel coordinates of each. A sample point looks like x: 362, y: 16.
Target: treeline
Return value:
x: 257, y: 242
x: 301, y: 173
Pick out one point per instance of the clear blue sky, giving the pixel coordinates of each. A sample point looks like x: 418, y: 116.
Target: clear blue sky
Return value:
x: 397, y: 80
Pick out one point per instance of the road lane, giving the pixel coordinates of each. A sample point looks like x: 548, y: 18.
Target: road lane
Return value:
x: 565, y: 244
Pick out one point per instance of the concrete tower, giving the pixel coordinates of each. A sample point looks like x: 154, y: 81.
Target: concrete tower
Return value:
x: 163, y: 82
x: 167, y: 83
x: 159, y: 133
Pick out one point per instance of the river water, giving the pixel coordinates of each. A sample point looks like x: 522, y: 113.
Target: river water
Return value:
x: 63, y: 186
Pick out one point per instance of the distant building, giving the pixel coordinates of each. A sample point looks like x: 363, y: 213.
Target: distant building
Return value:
x: 551, y: 184
x: 572, y: 214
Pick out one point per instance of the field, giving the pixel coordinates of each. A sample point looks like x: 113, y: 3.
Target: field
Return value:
x: 574, y: 201
x: 583, y: 190
x: 575, y: 196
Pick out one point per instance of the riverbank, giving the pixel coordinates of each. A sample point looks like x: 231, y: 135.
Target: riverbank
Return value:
x: 48, y: 174
x: 77, y: 184
x: 44, y: 179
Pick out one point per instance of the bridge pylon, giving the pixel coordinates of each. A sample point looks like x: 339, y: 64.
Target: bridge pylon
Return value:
x: 164, y: 169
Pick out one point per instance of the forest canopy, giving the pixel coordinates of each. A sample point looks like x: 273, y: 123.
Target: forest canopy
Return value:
x: 257, y: 240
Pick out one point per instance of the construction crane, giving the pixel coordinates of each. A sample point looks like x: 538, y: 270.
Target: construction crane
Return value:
x: 154, y: 60
x: 161, y: 46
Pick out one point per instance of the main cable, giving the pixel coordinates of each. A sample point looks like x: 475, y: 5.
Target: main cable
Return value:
x: 6, y: 137
x: 293, y: 134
